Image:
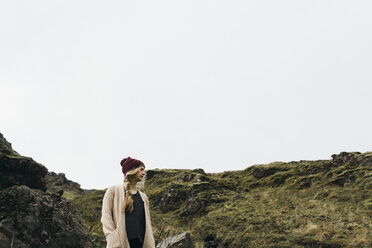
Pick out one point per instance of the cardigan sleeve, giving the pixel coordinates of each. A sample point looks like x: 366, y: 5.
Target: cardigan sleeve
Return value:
x: 108, y: 225
x: 147, y: 202
x: 149, y: 219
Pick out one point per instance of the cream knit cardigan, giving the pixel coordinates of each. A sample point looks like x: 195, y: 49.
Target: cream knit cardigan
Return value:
x: 113, y: 219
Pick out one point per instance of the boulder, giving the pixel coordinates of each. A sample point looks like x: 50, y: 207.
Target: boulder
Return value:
x: 19, y: 170
x: 210, y: 242
x: 60, y: 179
x: 182, y: 240
x: 172, y: 198
x: 350, y: 158
x: 35, y: 219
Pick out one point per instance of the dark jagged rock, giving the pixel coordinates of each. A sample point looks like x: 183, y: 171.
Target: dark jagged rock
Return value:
x: 348, y: 167
x: 29, y: 216
x: 210, y: 242
x: 344, y: 177
x: 199, y: 170
x: 352, y: 159
x: 171, y: 199
x: 260, y: 172
x: 346, y: 157
x: 6, y: 147
x: 197, y: 197
x: 187, y: 177
x: 32, y: 218
x: 60, y: 179
x: 182, y: 240
x: 151, y: 173
x: 194, y: 206
x: 19, y: 170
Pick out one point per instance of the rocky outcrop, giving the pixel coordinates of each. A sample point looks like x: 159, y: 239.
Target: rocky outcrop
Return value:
x: 19, y: 170
x: 198, y: 177
x: 60, y: 179
x: 348, y: 167
x: 197, y: 196
x: 6, y: 147
x: 182, y: 240
x: 260, y: 172
x: 29, y: 216
x: 352, y: 159
x: 32, y: 218
x: 210, y: 242
x: 171, y: 199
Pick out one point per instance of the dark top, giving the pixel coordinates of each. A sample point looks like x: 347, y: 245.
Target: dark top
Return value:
x: 135, y: 221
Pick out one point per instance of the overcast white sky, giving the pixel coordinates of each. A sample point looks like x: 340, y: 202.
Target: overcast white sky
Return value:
x: 218, y: 85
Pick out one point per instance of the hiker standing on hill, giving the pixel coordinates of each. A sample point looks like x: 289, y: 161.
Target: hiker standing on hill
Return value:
x: 125, y: 210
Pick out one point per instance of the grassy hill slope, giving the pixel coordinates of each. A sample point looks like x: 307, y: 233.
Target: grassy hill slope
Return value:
x: 324, y: 203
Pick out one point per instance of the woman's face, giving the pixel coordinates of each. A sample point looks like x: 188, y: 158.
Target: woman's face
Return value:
x: 141, y: 173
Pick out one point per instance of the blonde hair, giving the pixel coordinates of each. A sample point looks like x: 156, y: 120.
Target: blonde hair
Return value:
x: 128, y: 201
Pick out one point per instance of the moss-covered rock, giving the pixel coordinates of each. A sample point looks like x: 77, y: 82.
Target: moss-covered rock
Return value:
x: 18, y: 170
x: 32, y: 218
x: 29, y: 216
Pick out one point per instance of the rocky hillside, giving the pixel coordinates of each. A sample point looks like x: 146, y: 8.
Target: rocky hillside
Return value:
x: 30, y: 216
x: 324, y: 203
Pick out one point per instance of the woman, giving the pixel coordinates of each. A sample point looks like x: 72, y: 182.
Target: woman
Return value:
x: 125, y: 210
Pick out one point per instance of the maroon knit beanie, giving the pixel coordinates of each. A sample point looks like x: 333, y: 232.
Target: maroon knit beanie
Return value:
x: 129, y: 163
